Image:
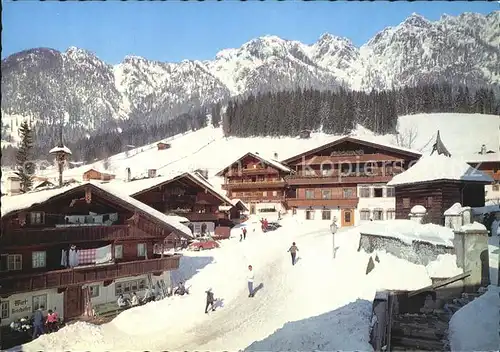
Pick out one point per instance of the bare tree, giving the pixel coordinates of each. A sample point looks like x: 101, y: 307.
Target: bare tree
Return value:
x: 405, y: 138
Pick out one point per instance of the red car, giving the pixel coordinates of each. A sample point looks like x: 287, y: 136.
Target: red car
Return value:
x: 203, y: 243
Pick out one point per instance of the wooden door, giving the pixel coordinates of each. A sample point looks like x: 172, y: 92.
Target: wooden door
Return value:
x: 252, y: 208
x: 347, y: 217
x: 73, y: 302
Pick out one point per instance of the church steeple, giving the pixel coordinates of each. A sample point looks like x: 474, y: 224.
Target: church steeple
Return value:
x: 439, y: 147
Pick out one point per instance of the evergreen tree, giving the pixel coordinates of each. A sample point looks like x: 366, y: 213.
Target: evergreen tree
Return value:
x: 24, y: 161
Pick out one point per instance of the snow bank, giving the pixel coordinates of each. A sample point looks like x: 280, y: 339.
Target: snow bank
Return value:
x: 344, y: 329
x: 393, y: 273
x: 409, y: 231
x: 439, y: 167
x: 475, y: 226
x: 444, y: 266
x: 474, y: 327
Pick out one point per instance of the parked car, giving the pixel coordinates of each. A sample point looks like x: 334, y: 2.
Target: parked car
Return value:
x: 273, y: 226
x: 203, y: 243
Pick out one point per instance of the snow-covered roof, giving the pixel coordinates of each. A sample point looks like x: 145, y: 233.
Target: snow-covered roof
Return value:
x: 455, y: 209
x: 60, y: 149
x: 483, y: 158
x: 356, y: 139
x: 134, y: 187
x: 269, y: 161
x: 99, y: 170
x: 27, y: 200
x: 409, y: 231
x: 439, y: 167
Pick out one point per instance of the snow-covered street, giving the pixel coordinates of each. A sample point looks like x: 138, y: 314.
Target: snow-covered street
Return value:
x: 320, y: 303
x: 316, y: 285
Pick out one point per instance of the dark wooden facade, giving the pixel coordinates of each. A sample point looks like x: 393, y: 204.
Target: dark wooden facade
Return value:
x: 185, y: 196
x: 328, y: 176
x: 46, y: 227
x: 253, y: 180
x: 162, y: 145
x: 437, y: 197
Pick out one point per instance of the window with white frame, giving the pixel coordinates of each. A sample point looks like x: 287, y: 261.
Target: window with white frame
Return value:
x: 141, y: 249
x: 348, y: 192
x: 309, y: 214
x: 378, y: 214
x: 390, y: 214
x: 264, y: 193
x: 118, y: 251
x: 4, y: 309
x: 364, y: 192
x: 326, y: 214
x: 390, y: 192
x: 39, y: 301
x: 364, y: 214
x: 36, y: 217
x: 275, y: 193
x: 38, y: 259
x: 14, y: 262
x: 378, y: 192
x: 130, y: 286
x: 94, y: 290
x: 309, y: 193
x: 326, y: 194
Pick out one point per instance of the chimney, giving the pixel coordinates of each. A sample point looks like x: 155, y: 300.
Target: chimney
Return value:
x: 151, y: 173
x: 483, y: 149
x: 128, y: 176
x: 203, y: 173
x: 275, y: 155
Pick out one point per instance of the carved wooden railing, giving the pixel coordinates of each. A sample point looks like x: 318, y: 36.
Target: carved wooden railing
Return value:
x: 85, y: 274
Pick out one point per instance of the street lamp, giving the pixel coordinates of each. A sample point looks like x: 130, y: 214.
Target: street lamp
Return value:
x: 333, y: 230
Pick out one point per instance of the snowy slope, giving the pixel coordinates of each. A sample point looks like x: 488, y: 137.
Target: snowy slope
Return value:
x: 208, y: 149
x: 277, y: 318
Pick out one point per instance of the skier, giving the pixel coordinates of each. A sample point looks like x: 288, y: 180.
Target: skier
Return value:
x: 250, y: 278
x: 210, y: 300
x: 244, y: 233
x: 293, y: 251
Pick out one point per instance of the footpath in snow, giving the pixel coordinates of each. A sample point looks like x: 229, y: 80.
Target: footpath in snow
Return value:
x: 321, y: 303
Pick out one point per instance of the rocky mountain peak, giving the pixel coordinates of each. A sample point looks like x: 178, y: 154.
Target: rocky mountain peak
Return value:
x: 45, y: 83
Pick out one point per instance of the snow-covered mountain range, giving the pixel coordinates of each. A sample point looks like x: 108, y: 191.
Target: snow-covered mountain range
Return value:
x: 76, y: 85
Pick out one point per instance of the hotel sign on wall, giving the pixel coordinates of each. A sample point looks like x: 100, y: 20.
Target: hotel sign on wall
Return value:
x: 347, y: 152
x: 20, y: 306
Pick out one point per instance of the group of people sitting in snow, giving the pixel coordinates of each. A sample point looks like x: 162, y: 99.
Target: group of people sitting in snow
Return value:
x: 149, y: 296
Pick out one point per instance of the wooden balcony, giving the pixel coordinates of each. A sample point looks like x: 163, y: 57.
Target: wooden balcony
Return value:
x: 337, y: 179
x: 349, y: 203
x: 253, y: 185
x: 263, y: 199
x: 26, y: 237
x: 193, y: 216
x: 251, y: 171
x: 85, y: 275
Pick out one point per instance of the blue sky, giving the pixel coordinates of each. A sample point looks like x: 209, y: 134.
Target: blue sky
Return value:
x: 174, y: 30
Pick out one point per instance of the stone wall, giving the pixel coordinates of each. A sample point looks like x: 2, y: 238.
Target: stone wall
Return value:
x: 418, y: 253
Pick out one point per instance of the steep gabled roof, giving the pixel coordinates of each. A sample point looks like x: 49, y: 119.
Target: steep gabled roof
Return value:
x: 388, y: 147
x: 134, y: 188
x: 268, y: 161
x: 439, y: 168
x: 12, y: 204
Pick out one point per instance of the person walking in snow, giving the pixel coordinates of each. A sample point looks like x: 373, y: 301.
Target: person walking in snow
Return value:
x: 293, y: 251
x: 250, y: 278
x: 244, y: 233
x: 210, y: 300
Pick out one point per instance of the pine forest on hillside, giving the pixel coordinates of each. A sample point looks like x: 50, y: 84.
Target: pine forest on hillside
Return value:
x: 281, y: 114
